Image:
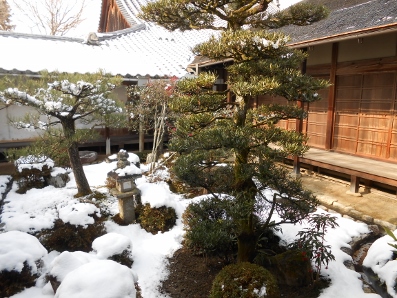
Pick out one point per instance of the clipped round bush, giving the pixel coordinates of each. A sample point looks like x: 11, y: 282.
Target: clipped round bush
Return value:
x: 20, y: 259
x: 13, y: 282
x: 65, y: 236
x: 115, y: 247
x: 102, y: 278
x: 209, y: 228
x: 244, y: 280
x: 32, y: 172
x: 155, y: 220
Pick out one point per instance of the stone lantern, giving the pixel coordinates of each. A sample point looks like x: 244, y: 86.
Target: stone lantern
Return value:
x: 128, y: 195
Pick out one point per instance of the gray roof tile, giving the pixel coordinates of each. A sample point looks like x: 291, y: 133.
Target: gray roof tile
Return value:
x: 346, y: 19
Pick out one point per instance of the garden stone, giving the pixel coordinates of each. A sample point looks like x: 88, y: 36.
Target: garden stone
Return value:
x: 87, y: 157
x: 59, y: 180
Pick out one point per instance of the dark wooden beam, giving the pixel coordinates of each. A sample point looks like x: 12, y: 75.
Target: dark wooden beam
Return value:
x: 368, y: 65
x: 331, y: 98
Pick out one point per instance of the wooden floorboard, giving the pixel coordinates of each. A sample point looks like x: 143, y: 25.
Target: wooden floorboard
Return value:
x: 375, y: 170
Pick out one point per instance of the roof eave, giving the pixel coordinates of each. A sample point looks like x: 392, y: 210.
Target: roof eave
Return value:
x: 347, y: 35
x: 209, y: 63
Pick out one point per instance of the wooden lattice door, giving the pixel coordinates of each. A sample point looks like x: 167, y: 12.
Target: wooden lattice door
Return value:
x: 365, y: 115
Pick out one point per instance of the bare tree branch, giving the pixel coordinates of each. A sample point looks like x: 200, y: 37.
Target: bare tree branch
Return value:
x: 52, y: 17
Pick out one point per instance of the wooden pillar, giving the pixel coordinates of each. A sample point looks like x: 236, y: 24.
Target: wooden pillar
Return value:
x: 331, y: 98
x: 354, y: 184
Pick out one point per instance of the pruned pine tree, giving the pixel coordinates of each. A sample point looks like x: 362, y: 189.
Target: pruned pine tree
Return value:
x: 228, y: 14
x: 211, y: 130
x: 5, y: 14
x: 64, y: 101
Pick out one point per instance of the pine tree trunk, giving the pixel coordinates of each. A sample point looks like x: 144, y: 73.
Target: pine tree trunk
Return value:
x: 246, y: 239
x: 83, y: 188
x: 246, y: 243
x: 246, y: 192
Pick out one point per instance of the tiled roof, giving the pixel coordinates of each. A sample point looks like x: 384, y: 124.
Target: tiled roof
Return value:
x: 143, y: 50
x: 347, y: 18
x: 130, y: 9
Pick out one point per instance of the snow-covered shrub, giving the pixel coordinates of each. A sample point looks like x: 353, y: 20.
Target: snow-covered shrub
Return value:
x: 244, y: 280
x: 102, y: 278
x: 20, y: 253
x: 155, y: 220
x: 209, y: 228
x: 32, y: 172
x: 115, y: 247
x: 66, y: 236
x: 13, y: 282
x: 65, y: 263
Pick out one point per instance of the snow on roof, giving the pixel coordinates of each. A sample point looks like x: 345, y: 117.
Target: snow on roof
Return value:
x: 144, y: 50
x: 140, y: 51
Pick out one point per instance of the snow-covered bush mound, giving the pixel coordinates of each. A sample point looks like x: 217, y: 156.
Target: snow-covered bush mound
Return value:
x: 111, y: 244
x: 16, y: 248
x: 67, y: 261
x: 104, y: 278
x: 77, y: 213
x: 33, y: 162
x: 32, y: 172
x: 19, y: 255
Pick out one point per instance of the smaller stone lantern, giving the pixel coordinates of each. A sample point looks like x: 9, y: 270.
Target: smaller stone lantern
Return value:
x: 126, y: 191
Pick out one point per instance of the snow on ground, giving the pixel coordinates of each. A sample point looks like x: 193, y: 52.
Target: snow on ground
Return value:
x: 39, y: 208
x: 378, y: 259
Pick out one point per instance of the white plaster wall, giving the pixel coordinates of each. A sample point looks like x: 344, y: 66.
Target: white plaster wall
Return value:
x: 378, y: 46
x: 10, y: 133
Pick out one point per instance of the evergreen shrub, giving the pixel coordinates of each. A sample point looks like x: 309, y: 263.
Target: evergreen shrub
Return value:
x: 155, y: 220
x: 123, y: 258
x: 13, y: 282
x: 209, y: 228
x: 244, y: 280
x: 32, y: 172
x: 65, y: 236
